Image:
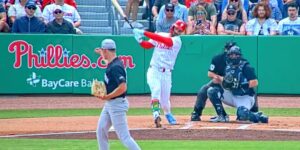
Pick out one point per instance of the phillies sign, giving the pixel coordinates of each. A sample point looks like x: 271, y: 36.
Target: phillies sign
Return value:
x: 57, y: 57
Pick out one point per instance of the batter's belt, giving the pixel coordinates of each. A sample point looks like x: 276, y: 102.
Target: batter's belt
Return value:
x: 161, y: 69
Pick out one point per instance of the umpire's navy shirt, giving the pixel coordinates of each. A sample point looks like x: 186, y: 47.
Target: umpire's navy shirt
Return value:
x: 218, y: 64
x: 115, y: 74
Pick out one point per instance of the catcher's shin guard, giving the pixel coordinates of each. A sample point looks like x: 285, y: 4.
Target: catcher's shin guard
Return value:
x: 214, y: 94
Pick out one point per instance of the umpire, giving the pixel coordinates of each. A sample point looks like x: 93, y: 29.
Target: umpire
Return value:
x: 116, y: 104
x: 217, y: 68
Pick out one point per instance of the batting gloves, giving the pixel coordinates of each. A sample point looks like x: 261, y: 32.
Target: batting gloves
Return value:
x: 138, y: 35
x: 138, y: 31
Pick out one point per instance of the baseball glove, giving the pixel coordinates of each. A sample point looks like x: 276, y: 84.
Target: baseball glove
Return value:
x: 229, y: 82
x: 98, y: 88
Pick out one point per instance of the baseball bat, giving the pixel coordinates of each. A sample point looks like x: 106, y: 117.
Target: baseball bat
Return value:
x: 120, y: 10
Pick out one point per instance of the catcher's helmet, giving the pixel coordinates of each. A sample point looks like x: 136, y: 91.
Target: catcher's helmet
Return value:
x: 234, y: 50
x: 234, y: 60
x: 179, y: 24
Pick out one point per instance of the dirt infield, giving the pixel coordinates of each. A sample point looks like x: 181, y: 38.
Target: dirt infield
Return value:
x: 142, y: 127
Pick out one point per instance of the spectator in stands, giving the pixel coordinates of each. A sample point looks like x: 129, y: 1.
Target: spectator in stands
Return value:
x: 262, y: 24
x: 231, y: 25
x: 284, y: 10
x: 48, y: 2
x: 210, y: 9
x: 131, y: 12
x: 3, y: 24
x: 29, y: 23
x: 241, y: 12
x: 59, y: 24
x: 12, y: 2
x: 18, y: 10
x: 291, y: 24
x: 70, y: 14
x: 200, y: 25
x: 157, y: 6
x: 180, y: 12
x: 245, y: 4
x: 165, y: 24
x: 275, y: 10
x: 189, y: 3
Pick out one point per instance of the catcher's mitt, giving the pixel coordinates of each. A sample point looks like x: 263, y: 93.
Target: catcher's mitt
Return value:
x: 229, y: 82
x: 98, y: 88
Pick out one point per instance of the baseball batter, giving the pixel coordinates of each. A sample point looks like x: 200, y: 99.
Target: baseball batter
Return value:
x: 116, y: 105
x: 166, y: 47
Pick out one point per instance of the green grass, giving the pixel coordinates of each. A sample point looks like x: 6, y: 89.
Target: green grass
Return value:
x: 35, y: 113
x: 50, y: 144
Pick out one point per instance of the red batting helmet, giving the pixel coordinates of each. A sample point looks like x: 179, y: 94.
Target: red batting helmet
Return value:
x: 179, y: 24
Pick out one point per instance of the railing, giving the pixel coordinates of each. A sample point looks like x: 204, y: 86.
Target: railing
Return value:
x: 112, y: 15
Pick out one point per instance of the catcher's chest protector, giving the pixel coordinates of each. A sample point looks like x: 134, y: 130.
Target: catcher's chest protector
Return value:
x: 236, y: 72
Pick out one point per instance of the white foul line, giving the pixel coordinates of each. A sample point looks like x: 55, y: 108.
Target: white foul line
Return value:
x: 243, y: 127
x: 45, y: 134
x: 187, y: 125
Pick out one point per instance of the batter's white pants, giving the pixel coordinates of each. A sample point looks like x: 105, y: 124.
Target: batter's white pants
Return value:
x: 114, y: 114
x: 160, y: 84
x: 237, y: 101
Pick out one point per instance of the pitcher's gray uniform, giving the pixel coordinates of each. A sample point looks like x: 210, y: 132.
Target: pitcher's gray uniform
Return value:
x: 115, y: 109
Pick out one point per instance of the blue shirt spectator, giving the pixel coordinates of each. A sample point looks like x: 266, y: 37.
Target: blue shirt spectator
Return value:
x: 181, y: 12
x: 29, y: 23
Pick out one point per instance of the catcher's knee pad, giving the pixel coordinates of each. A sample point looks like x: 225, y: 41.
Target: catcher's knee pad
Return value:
x: 214, y: 94
x: 243, y: 113
x: 155, y: 105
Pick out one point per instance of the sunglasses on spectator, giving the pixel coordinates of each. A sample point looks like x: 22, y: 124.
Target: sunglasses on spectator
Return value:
x: 170, y: 10
x: 200, y: 13
x: 31, y: 7
x: 57, y: 11
x: 234, y: 0
x: 231, y: 13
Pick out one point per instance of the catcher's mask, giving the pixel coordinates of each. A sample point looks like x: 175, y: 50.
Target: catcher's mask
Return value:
x: 234, y: 55
x: 179, y: 25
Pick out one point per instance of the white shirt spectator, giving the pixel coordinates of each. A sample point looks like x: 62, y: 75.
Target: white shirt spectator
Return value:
x: 288, y: 27
x: 18, y: 10
x: 266, y: 28
x: 70, y: 13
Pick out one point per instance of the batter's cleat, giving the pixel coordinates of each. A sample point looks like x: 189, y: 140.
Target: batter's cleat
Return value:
x: 157, y: 122
x: 220, y: 118
x: 195, y: 117
x: 171, y: 119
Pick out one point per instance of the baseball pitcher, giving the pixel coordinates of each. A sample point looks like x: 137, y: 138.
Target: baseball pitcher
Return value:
x: 116, y: 103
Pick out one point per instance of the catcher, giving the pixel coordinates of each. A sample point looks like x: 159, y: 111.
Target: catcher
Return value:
x: 113, y: 92
x: 236, y: 89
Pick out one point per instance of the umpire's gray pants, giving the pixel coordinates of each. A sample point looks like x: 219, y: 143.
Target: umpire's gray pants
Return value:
x: 114, y: 114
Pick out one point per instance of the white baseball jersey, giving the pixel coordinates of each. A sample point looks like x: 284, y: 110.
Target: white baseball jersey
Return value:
x: 70, y: 13
x: 18, y: 10
x: 164, y: 56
